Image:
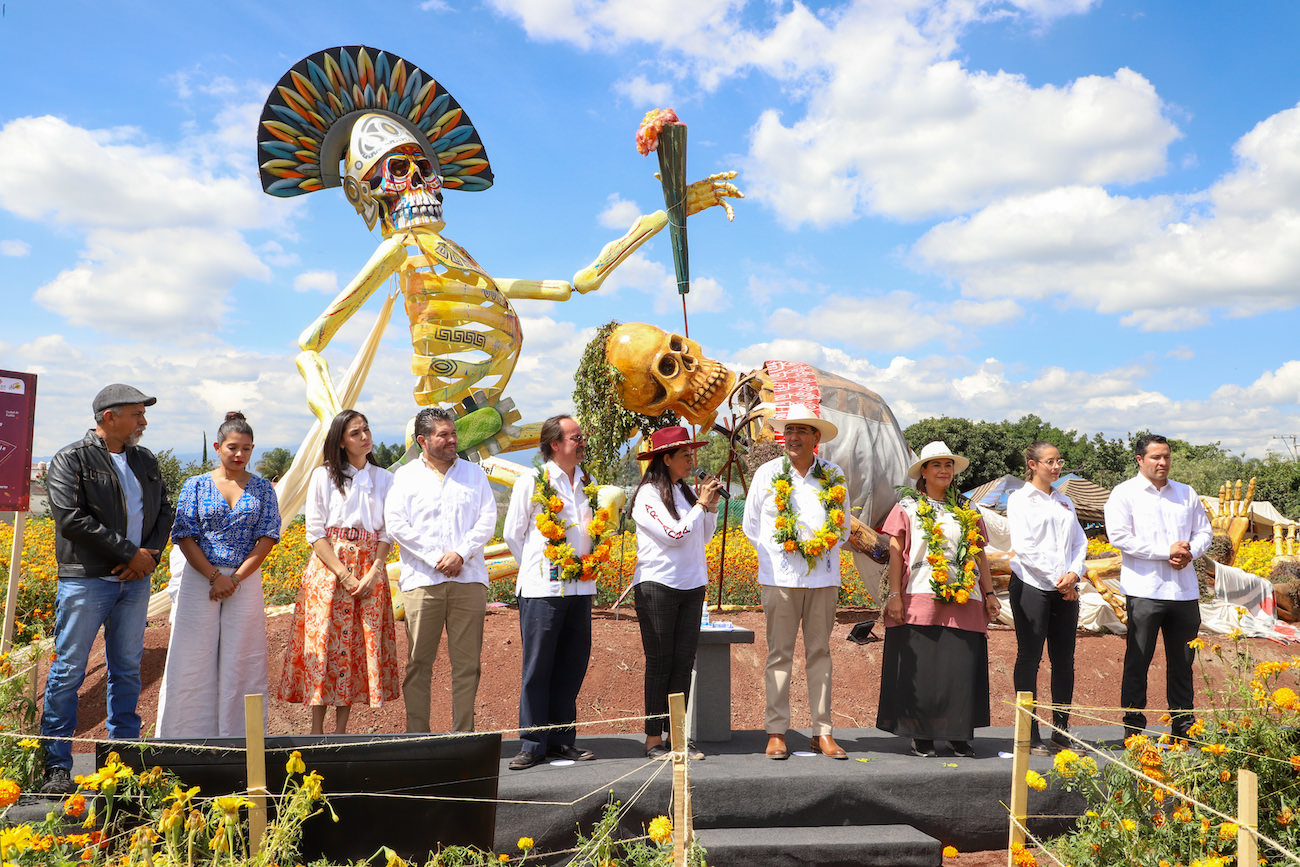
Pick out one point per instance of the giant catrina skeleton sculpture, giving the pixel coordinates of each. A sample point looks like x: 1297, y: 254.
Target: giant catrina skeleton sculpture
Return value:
x: 402, y: 140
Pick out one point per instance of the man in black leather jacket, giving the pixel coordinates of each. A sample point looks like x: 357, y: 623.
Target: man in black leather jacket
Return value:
x: 111, y: 521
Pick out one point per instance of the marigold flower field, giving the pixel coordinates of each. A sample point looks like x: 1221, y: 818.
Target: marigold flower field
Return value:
x: 283, y: 568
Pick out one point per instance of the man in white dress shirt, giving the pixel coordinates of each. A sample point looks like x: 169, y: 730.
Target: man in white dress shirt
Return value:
x: 554, y: 615
x: 1160, y: 527
x: 442, y: 513
x: 792, y: 592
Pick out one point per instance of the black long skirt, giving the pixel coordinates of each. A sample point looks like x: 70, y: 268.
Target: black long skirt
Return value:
x: 934, y: 683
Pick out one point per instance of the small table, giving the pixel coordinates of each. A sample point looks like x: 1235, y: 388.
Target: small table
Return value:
x: 711, y: 700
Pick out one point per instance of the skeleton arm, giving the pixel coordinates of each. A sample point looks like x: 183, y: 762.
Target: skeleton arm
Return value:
x: 713, y: 190
x: 321, y: 396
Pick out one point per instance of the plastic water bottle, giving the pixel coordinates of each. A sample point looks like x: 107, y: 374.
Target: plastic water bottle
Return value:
x: 704, y: 616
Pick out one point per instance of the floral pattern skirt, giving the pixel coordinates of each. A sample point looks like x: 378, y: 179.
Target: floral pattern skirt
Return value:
x: 342, y: 650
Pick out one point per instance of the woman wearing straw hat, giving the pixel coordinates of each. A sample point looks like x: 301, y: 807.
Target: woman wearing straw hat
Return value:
x: 672, y: 527
x: 934, y: 678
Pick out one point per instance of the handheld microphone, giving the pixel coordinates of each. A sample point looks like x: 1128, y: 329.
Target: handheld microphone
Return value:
x: 701, y: 475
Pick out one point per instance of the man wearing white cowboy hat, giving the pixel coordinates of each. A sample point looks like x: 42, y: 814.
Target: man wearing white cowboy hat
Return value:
x: 796, y: 516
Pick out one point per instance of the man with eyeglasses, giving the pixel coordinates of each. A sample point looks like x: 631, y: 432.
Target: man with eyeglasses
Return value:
x: 554, y: 613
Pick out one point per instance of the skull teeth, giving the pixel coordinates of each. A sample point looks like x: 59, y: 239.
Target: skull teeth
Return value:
x: 710, y: 386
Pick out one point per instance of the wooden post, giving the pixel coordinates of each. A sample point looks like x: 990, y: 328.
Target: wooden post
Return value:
x: 255, y: 745
x: 1019, y: 766
x: 15, y: 577
x: 681, y: 779
x: 1247, y: 817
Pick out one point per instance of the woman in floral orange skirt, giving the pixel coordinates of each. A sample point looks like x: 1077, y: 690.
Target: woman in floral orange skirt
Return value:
x: 343, y: 649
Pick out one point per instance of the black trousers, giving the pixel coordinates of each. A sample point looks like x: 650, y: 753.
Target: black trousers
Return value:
x: 1179, y: 621
x: 1043, y: 616
x: 555, y: 632
x: 670, y: 634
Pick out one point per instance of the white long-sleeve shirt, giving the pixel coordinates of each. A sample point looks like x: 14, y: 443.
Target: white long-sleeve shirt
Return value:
x: 670, y: 551
x: 776, y: 566
x: 527, y: 543
x: 428, y: 515
x: 1144, y: 522
x: 359, y: 504
x: 1046, y: 536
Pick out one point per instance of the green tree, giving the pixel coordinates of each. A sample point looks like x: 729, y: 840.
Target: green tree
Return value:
x: 988, y: 448
x: 387, y: 455
x: 174, y: 473
x: 274, y: 463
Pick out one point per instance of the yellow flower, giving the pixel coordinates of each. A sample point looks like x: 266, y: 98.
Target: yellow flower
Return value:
x: 503, y: 858
x: 962, y: 597
x: 295, y: 764
x: 29, y: 743
x: 231, y: 804
x: 1236, y: 634
x: 950, y: 851
x: 1285, y: 698
x: 75, y: 806
x: 1197, y: 643
x: 1267, y: 669
x: 1196, y: 730
x: 1128, y: 824
x: 1066, y: 763
x: 1214, y: 749
x: 555, y: 504
x: 1227, y: 831
x: 1035, y: 781
x: 525, y: 843
x: 661, y: 829
x: 9, y: 792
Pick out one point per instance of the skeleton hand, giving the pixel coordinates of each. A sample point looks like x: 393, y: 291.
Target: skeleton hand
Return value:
x: 1232, y: 516
x: 713, y: 190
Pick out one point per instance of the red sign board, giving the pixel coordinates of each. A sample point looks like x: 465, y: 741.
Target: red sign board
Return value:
x: 17, y: 422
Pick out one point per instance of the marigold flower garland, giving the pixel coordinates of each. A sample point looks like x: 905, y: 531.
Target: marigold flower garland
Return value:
x: 553, y: 527
x: 831, y: 497
x: 946, y: 586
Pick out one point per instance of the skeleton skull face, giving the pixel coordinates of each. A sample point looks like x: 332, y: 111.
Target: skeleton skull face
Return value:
x: 663, y: 371
x: 389, y: 179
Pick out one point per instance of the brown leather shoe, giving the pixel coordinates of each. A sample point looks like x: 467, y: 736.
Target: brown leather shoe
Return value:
x: 825, y: 744
x: 776, y: 747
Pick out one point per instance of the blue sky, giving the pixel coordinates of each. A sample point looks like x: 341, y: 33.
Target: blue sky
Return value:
x: 1082, y: 210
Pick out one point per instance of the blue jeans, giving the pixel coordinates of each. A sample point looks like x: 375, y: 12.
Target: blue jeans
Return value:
x: 84, y: 605
x: 556, y: 638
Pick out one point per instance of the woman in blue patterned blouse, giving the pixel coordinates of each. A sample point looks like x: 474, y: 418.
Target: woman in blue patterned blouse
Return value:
x: 227, y: 521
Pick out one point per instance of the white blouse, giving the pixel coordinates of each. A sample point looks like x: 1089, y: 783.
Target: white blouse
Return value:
x: 359, y: 504
x: 670, y: 551
x: 1045, y: 536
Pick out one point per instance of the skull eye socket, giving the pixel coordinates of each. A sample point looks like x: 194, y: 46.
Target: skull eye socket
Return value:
x: 675, y: 343
x: 425, y: 167
x: 668, y: 366
x: 399, y: 167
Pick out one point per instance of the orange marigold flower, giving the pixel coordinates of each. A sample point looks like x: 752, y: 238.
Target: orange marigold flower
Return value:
x: 1286, y: 698
x: 1214, y: 749
x: 1295, y: 764
x: 75, y: 806
x: 9, y: 792
x: 962, y: 597
x: 790, y: 545
x: 950, y: 851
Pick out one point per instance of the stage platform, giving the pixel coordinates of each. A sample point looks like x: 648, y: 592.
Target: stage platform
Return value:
x: 956, y: 801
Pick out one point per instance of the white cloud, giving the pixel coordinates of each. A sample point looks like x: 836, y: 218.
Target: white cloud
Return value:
x: 1163, y: 263
x: 1114, y: 402
x: 173, y: 279
x: 641, y: 91
x: 317, y: 281
x: 912, y: 322
x: 1181, y: 353
x: 619, y: 213
x: 17, y: 249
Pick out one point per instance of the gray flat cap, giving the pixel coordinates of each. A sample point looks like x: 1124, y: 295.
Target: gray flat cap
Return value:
x: 118, y: 394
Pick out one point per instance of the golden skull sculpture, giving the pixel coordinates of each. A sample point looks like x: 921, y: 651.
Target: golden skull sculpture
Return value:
x: 663, y: 371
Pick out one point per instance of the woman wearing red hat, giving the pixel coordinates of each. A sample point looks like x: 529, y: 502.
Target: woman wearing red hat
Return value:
x: 673, y: 526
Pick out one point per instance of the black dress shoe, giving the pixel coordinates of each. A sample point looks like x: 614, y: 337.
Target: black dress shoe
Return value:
x: 572, y: 753
x: 526, y: 760
x: 963, y: 749
x: 923, y: 748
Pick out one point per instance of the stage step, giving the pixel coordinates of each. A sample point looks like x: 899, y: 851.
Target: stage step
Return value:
x: 832, y: 846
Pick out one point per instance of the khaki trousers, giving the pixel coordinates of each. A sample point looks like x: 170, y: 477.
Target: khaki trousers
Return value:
x: 785, y: 608
x: 460, y: 608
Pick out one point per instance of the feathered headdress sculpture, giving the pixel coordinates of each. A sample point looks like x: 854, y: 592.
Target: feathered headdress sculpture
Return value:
x: 309, y: 114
